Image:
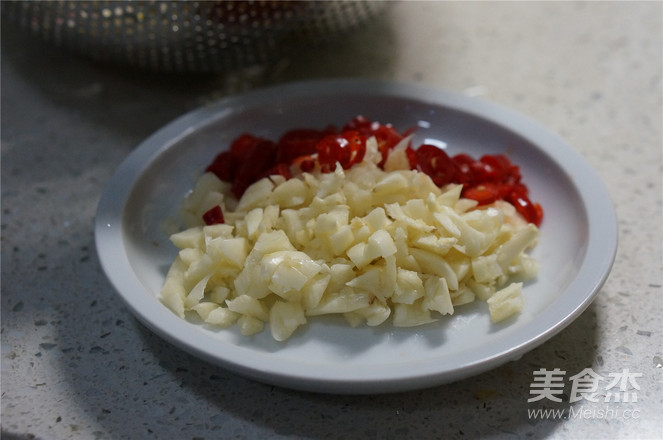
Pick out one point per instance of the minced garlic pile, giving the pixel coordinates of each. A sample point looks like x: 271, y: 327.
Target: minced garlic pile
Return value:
x: 374, y: 245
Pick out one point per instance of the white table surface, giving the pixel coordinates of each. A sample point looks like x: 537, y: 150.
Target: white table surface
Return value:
x: 76, y: 364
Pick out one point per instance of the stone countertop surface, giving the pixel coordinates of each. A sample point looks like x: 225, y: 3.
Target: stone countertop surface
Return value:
x: 75, y: 362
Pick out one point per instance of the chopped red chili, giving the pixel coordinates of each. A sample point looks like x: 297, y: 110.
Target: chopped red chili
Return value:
x: 213, y: 216
x: 490, y: 178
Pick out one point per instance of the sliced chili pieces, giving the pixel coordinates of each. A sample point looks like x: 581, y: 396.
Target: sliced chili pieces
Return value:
x: 250, y: 158
x: 213, y: 216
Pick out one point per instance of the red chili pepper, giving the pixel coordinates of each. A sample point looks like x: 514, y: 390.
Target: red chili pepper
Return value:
x: 305, y: 163
x: 301, y: 142
x: 224, y: 166
x: 498, y: 165
x: 486, y: 180
x: 386, y: 135
x: 436, y: 163
x: 280, y: 169
x: 484, y: 193
x: 213, y: 216
x: 387, y: 138
x: 243, y: 145
x: 525, y: 207
x: 411, y: 155
x: 347, y: 149
x: 258, y: 159
x: 464, y: 173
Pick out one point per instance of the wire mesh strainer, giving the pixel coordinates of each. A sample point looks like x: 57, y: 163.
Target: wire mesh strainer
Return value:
x: 189, y: 36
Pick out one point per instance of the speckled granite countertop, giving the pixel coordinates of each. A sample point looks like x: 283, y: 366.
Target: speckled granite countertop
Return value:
x: 76, y: 364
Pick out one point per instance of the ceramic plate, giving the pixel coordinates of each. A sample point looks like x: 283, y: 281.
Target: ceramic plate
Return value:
x: 578, y: 238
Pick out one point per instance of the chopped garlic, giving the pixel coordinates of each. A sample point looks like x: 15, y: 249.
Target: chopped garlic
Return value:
x: 366, y: 243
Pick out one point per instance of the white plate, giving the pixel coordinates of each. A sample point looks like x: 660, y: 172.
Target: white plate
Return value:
x: 576, y: 249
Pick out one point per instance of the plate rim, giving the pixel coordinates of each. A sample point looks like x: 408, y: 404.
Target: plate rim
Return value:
x: 110, y: 209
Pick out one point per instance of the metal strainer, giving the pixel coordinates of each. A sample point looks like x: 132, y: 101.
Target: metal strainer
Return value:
x: 189, y: 36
